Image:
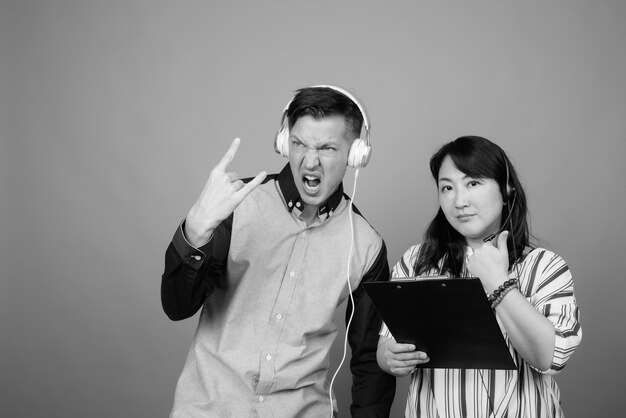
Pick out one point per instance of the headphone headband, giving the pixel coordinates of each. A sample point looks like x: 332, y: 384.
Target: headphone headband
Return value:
x: 366, y: 121
x: 360, y: 152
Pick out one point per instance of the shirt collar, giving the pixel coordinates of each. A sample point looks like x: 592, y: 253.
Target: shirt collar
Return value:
x: 292, y: 197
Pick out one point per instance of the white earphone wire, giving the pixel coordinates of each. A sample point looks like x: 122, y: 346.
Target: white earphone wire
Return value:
x: 345, y: 340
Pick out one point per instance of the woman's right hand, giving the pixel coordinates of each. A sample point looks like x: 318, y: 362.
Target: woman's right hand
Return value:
x: 398, y: 359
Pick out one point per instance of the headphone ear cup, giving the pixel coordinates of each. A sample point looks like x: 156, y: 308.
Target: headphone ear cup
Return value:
x: 510, y: 190
x: 359, y: 154
x: 281, y: 142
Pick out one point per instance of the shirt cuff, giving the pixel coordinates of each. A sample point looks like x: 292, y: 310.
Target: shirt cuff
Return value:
x: 384, y: 331
x: 192, y: 256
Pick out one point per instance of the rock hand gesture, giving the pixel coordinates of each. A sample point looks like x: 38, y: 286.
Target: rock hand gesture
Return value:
x: 221, y: 195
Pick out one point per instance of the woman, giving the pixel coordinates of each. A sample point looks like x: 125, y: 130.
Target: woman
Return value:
x: 481, y: 230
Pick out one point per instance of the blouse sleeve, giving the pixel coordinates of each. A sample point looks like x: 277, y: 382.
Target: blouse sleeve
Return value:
x: 551, y: 290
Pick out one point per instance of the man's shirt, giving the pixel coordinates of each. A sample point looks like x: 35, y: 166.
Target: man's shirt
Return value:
x: 269, y: 286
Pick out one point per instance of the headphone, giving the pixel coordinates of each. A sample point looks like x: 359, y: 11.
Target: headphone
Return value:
x: 510, y: 194
x: 510, y: 190
x: 360, y: 151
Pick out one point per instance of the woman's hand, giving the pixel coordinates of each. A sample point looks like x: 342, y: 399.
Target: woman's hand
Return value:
x: 398, y: 359
x: 490, y: 263
x: 531, y: 333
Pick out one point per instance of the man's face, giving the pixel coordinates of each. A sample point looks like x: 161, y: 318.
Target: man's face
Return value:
x: 318, y: 156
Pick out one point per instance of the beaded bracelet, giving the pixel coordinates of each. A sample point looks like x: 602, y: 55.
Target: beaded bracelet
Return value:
x: 492, y: 297
x: 502, y: 295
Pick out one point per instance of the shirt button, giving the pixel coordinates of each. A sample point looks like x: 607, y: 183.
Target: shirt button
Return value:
x: 261, y: 398
x: 279, y: 317
x: 292, y: 273
x: 298, y: 204
x: 197, y: 257
x: 268, y: 357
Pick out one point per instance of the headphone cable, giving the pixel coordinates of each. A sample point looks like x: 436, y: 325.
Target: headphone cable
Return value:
x: 345, y: 340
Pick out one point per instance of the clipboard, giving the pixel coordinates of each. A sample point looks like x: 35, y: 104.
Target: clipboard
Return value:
x: 450, y: 319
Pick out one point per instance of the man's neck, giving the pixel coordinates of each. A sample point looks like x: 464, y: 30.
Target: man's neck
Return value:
x: 309, y: 214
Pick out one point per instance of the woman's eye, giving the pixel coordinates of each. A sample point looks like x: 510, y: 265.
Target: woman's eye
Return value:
x: 473, y: 183
x: 446, y: 188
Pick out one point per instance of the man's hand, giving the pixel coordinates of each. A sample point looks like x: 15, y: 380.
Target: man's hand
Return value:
x: 221, y: 195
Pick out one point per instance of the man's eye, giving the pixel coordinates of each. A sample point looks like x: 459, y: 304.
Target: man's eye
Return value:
x: 446, y: 188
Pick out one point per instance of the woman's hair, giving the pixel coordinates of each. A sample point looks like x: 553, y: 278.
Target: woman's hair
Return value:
x: 479, y: 158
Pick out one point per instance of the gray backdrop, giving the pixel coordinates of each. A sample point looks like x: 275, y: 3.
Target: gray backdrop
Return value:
x: 112, y: 113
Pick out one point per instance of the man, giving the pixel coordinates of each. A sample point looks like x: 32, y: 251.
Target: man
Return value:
x: 268, y: 261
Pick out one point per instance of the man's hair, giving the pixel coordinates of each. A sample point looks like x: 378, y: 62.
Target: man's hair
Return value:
x: 479, y: 158
x: 322, y: 102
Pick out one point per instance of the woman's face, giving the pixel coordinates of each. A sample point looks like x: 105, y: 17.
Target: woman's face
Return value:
x: 473, y: 206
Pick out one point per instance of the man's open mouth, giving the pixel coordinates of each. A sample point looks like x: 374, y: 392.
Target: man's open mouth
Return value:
x: 311, y: 183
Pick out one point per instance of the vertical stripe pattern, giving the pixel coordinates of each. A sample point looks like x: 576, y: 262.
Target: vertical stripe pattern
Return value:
x: 546, y: 282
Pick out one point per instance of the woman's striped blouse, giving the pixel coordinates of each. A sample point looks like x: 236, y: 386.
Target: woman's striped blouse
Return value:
x: 546, y: 282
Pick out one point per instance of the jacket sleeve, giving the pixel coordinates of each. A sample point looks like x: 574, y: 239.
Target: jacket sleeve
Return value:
x: 191, y: 273
x: 372, y: 389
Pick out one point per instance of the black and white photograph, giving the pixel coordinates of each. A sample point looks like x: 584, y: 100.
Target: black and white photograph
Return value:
x: 303, y: 209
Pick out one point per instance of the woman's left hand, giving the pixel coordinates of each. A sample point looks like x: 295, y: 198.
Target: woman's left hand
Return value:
x: 490, y: 263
